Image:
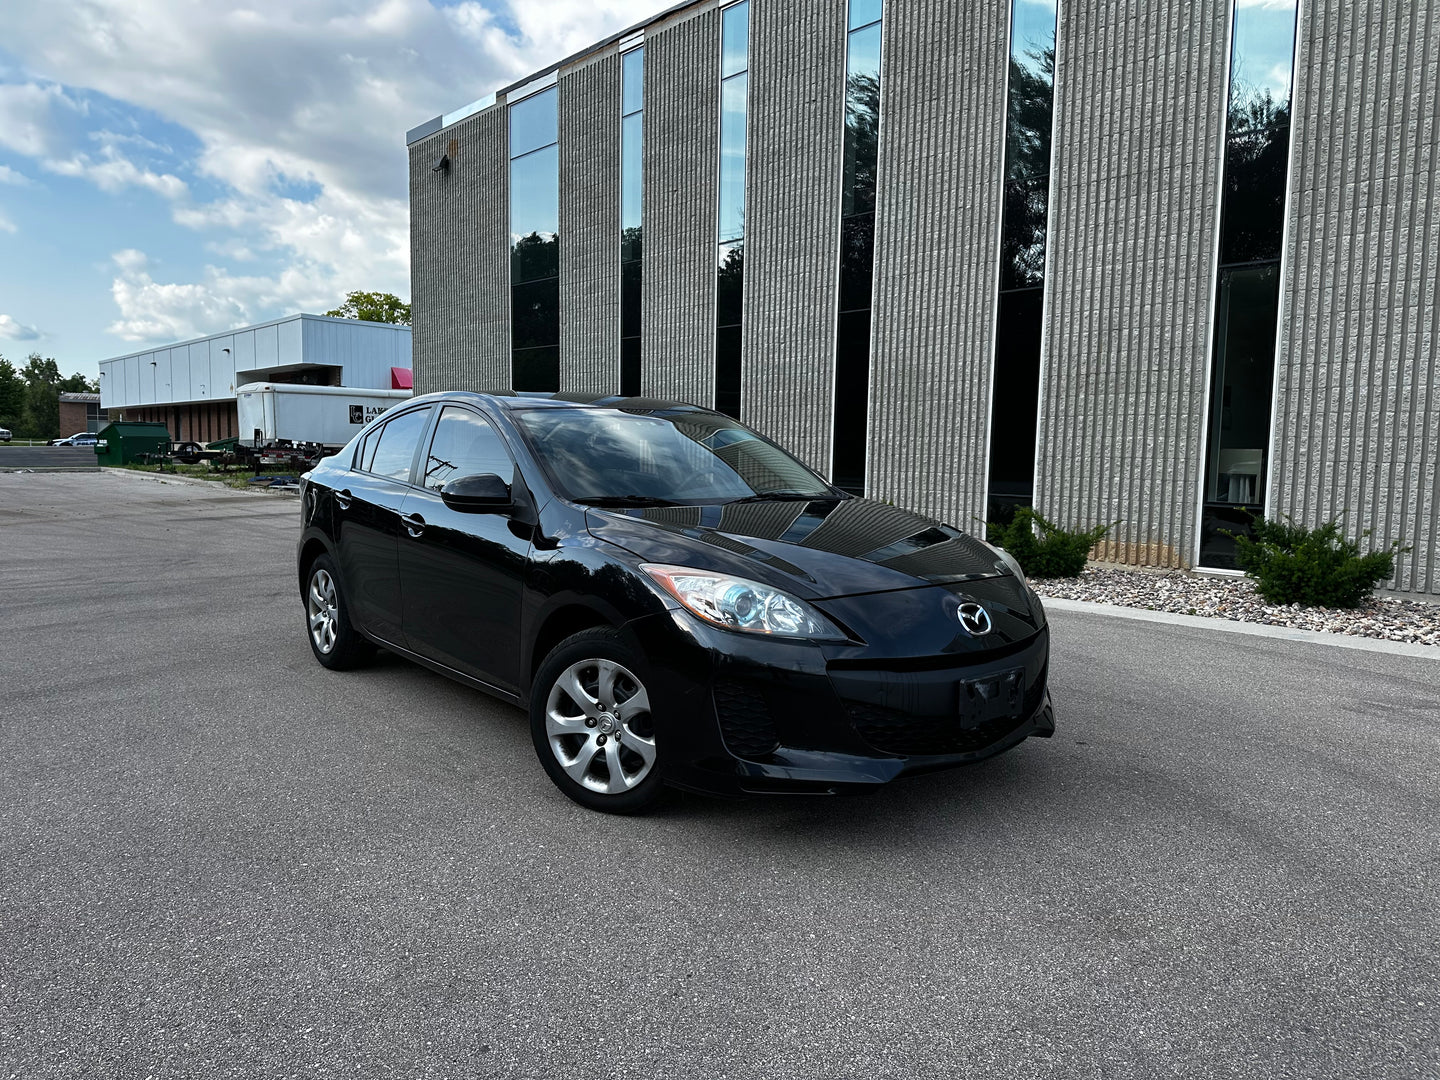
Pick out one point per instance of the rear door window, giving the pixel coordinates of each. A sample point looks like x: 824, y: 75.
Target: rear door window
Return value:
x: 390, y: 451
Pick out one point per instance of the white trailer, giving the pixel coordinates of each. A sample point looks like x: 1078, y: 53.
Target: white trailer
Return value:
x: 325, y: 415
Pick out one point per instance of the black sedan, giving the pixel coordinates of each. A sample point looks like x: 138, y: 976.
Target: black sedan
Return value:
x: 676, y: 600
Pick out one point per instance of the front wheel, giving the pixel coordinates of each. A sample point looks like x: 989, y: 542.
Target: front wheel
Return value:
x: 333, y: 640
x: 591, y: 722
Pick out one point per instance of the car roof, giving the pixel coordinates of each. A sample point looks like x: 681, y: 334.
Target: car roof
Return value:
x: 511, y: 400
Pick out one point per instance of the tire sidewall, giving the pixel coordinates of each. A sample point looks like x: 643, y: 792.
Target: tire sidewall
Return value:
x: 600, y: 643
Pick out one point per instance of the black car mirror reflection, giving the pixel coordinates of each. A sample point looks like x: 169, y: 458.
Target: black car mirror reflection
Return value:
x: 484, y: 493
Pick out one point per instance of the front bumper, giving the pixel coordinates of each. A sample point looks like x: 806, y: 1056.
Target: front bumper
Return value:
x: 745, y: 714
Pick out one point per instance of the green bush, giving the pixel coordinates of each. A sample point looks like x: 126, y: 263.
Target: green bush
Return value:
x: 1295, y: 565
x: 1044, y: 550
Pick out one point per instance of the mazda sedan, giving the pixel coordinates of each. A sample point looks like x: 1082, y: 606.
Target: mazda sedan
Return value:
x: 676, y: 600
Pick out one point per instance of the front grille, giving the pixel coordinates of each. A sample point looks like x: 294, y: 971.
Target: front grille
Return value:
x: 896, y: 732
x: 744, y: 720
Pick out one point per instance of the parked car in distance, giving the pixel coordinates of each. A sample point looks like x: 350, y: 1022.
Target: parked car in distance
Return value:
x: 5, y: 435
x: 80, y: 438
x: 674, y: 599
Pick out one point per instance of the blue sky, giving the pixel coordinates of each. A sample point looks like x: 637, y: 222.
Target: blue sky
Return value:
x: 170, y: 169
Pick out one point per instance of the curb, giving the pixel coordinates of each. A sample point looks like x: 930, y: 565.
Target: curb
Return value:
x: 1231, y: 626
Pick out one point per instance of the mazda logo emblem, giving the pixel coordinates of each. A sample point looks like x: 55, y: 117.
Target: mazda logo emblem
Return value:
x: 975, y: 619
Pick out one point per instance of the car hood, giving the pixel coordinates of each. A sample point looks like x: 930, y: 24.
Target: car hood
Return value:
x: 817, y: 549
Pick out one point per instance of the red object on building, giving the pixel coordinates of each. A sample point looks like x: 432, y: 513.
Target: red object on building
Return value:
x: 401, y: 378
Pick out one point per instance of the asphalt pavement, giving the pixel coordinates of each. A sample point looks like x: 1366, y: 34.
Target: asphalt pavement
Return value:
x: 218, y: 859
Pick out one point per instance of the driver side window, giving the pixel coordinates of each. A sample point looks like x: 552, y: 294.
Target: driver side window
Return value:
x: 464, y: 445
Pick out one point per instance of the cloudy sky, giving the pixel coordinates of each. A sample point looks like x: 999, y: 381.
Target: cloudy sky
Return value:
x: 173, y: 168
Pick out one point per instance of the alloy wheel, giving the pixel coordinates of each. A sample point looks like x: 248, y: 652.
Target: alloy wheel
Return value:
x: 598, y: 725
x: 321, y: 607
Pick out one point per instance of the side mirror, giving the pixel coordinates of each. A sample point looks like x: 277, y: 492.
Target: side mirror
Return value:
x: 485, y: 493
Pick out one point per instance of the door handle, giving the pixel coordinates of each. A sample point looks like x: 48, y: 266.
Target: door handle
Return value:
x: 342, y: 499
x: 414, y: 524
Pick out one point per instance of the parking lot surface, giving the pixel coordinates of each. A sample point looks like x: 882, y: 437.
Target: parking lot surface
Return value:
x: 219, y: 859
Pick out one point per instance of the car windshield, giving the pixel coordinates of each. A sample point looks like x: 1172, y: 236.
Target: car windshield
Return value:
x: 608, y: 456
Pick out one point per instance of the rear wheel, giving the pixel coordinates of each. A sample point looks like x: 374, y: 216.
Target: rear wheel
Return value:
x: 592, y: 725
x: 333, y: 640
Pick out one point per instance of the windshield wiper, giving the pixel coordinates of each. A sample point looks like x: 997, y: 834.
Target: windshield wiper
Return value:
x: 779, y: 496
x: 625, y: 500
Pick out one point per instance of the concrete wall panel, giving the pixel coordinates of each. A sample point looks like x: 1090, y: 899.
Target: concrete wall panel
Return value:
x: 460, y: 256
x: 792, y: 246
x: 942, y: 112
x: 682, y: 134
x: 1358, y: 380
x: 1128, y: 321
x: 589, y: 113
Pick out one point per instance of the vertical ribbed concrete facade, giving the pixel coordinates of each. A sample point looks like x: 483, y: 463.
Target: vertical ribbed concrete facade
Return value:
x: 937, y: 224
x: 460, y: 255
x: 589, y: 109
x: 682, y: 146
x: 1140, y: 94
x: 792, y: 235
x: 1133, y: 215
x: 1357, y: 427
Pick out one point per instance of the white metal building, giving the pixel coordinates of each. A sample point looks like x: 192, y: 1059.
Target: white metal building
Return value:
x: 190, y: 386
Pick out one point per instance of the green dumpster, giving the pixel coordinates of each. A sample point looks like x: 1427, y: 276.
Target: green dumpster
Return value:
x: 124, y: 441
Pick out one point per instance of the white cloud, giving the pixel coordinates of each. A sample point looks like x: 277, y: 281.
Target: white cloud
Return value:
x: 28, y: 115
x: 17, y: 331
x: 113, y: 171
x: 6, y: 225
x: 10, y: 176
x: 156, y: 311
x: 275, y: 93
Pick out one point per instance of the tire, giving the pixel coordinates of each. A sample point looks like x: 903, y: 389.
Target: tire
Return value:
x: 333, y: 640
x: 592, y: 727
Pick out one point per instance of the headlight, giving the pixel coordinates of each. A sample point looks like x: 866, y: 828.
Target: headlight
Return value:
x: 739, y: 604
x: 1008, y: 561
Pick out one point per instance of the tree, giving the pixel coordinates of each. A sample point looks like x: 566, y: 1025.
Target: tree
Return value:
x: 31, y: 397
x: 12, y: 396
x: 373, y: 307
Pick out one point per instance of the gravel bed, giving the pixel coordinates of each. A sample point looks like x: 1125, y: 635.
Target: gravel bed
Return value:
x: 1387, y: 617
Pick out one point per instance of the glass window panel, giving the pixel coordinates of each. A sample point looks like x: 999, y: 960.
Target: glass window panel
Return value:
x: 734, y: 39
x: 398, y: 439
x: 630, y: 292
x: 852, y: 392
x: 535, y: 311
x: 632, y: 182
x: 535, y: 215
x: 1022, y: 240
x: 630, y: 367
x: 857, y: 261
x: 1262, y: 54
x: 1028, y: 114
x: 732, y: 158
x: 1253, y: 211
x: 863, y: 12
x: 1032, y: 36
x: 632, y: 244
x: 1247, y: 309
x: 1017, y: 396
x: 465, y: 445
x: 632, y: 79
x: 532, y: 123
x: 537, y: 369
x: 862, y: 121
x: 727, y: 371
x: 730, y: 285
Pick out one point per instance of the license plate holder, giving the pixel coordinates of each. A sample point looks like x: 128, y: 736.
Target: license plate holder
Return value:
x: 991, y: 698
